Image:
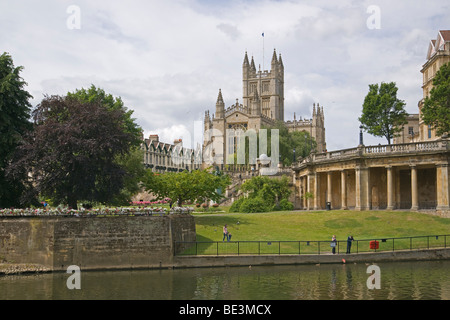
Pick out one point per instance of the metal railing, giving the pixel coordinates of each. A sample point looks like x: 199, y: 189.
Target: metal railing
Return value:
x: 308, y: 247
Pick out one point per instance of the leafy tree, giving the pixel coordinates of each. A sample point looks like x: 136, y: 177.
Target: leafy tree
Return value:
x: 270, y: 189
x: 72, y: 151
x: 264, y: 194
x: 436, y: 108
x: 300, y: 141
x: 130, y: 161
x: 14, y: 123
x: 97, y: 95
x: 383, y: 114
x: 187, y: 186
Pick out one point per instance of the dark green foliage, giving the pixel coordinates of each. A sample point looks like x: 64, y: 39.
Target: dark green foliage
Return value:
x: 264, y: 194
x: 14, y: 123
x: 111, y: 103
x: 436, y: 108
x: 200, y: 185
x: 383, y: 114
x: 71, y: 153
x: 252, y: 205
x: 236, y: 205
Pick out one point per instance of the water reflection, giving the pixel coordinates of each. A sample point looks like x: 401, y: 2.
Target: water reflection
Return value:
x: 406, y: 280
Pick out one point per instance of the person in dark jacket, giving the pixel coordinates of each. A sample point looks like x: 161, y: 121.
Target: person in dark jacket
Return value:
x: 349, y: 243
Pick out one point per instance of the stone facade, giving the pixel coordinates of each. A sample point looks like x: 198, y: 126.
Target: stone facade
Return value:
x: 110, y: 242
x: 262, y: 106
x: 410, y: 132
x: 163, y: 157
x: 402, y: 176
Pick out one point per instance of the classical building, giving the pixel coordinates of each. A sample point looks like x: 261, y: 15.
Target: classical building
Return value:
x: 410, y: 132
x: 162, y: 157
x: 438, y: 54
x: 262, y: 106
x: 412, y: 173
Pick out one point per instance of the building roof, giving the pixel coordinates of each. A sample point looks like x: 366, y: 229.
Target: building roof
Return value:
x: 442, y: 37
x: 445, y: 35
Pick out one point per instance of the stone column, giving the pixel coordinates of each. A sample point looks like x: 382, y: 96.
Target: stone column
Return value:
x: 304, y: 189
x: 310, y: 188
x: 414, y: 193
x: 316, y: 191
x: 390, y: 189
x: 344, y: 190
x: 442, y: 191
x: 329, y: 189
x: 362, y: 189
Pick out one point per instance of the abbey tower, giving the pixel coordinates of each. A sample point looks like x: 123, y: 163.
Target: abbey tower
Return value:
x: 262, y: 106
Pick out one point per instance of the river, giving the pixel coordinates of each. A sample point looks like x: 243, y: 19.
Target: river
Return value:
x: 397, y: 281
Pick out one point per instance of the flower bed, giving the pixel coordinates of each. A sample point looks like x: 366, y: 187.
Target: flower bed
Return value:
x: 31, y: 212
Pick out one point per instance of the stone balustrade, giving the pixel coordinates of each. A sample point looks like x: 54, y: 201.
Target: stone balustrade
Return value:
x: 381, y: 150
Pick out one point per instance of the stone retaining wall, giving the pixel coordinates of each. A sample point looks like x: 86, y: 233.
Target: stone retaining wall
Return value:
x: 110, y: 242
x: 267, y: 260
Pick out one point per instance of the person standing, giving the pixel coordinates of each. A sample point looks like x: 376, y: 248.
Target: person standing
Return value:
x: 333, y: 244
x: 349, y: 243
x: 225, y: 233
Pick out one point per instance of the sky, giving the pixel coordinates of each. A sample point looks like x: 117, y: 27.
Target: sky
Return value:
x: 168, y: 59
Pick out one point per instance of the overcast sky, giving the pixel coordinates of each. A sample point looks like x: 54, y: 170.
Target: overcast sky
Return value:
x: 168, y: 59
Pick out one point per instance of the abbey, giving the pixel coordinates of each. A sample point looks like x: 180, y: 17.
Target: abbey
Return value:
x: 262, y: 106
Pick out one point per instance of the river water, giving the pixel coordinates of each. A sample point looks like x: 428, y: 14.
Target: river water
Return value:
x: 398, y: 281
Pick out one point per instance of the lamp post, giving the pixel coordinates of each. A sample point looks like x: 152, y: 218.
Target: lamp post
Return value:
x: 361, y: 136
x: 294, y: 156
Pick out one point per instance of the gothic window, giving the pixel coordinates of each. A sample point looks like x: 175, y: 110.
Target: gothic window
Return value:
x: 266, y: 86
x: 231, y: 145
x: 266, y: 107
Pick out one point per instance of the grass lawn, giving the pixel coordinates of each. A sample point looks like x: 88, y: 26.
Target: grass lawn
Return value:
x: 319, y: 225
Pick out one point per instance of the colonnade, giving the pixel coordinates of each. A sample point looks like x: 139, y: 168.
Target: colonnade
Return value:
x: 412, y: 186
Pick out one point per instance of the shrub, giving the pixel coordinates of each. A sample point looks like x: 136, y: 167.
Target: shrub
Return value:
x: 236, y: 205
x: 252, y: 205
x: 286, y: 205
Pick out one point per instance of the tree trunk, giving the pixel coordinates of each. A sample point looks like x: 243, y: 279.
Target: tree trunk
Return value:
x: 72, y: 202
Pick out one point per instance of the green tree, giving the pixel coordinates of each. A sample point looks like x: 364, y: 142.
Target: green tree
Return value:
x: 14, y: 123
x: 72, y: 151
x: 187, y: 185
x: 436, y: 108
x: 300, y: 141
x: 111, y: 103
x: 131, y: 161
x: 383, y: 114
x: 264, y: 194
